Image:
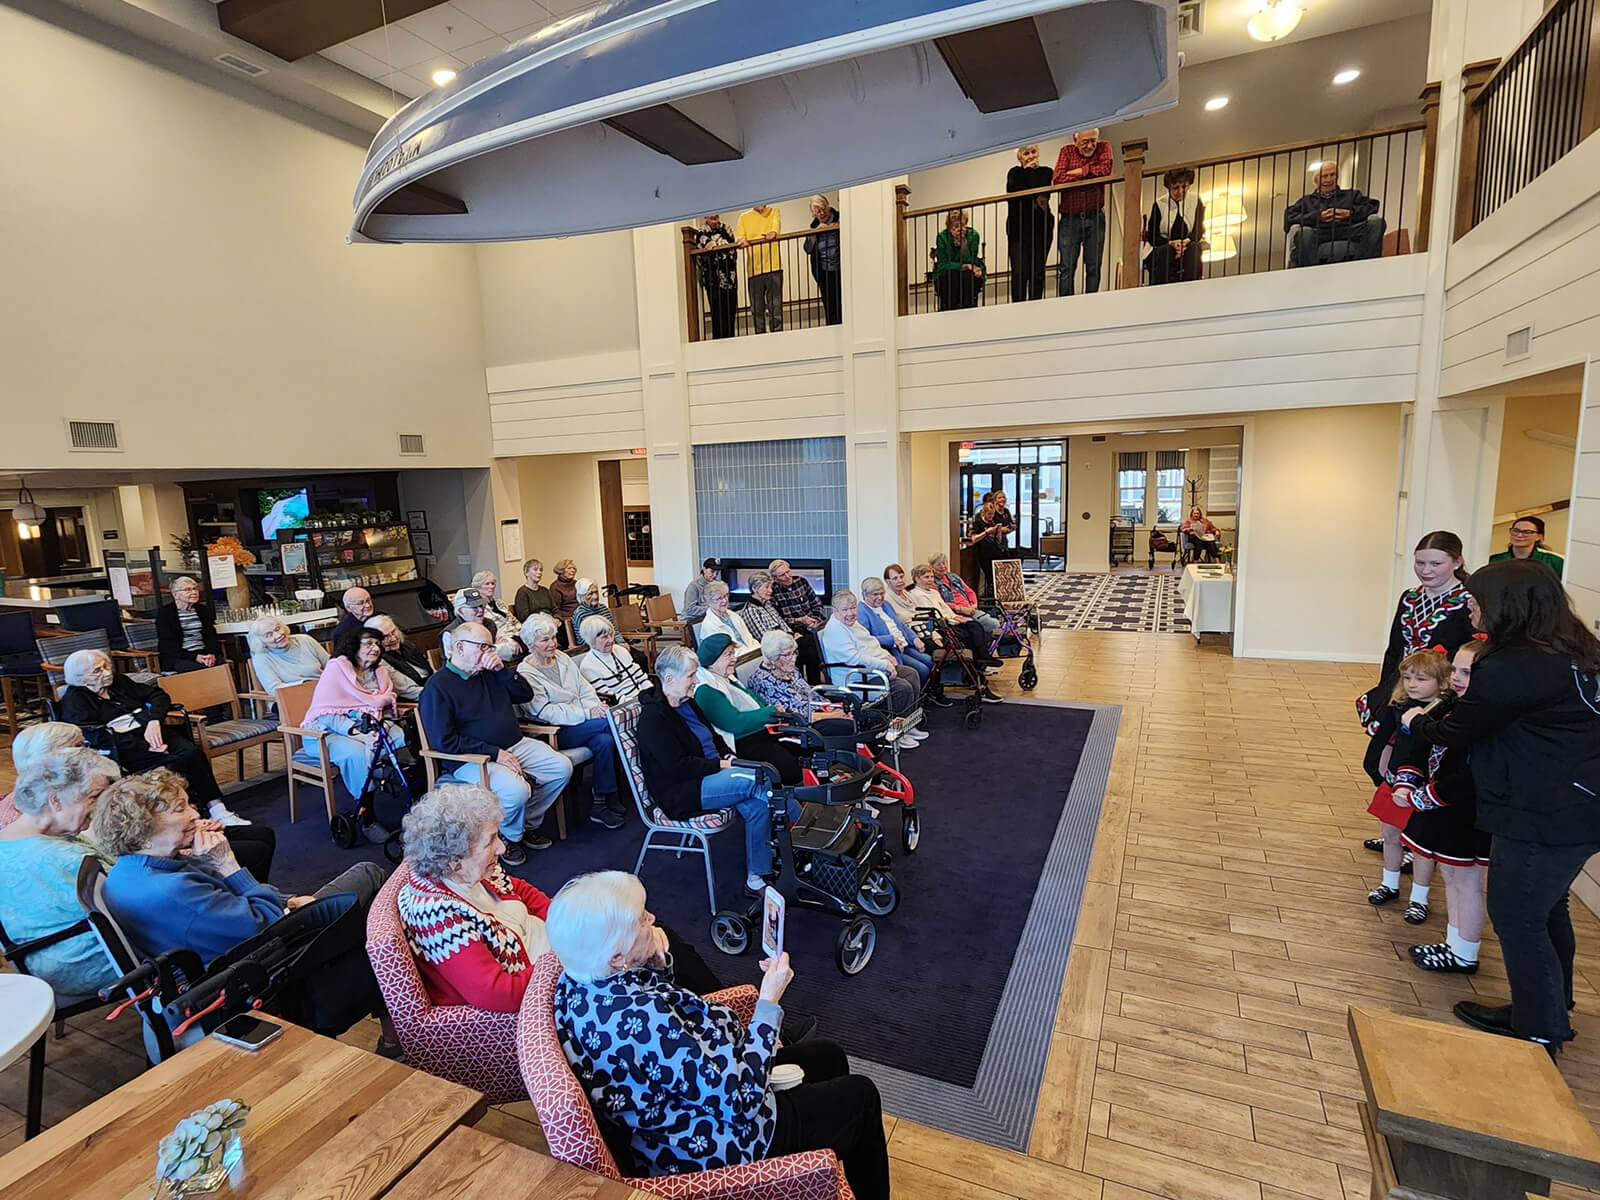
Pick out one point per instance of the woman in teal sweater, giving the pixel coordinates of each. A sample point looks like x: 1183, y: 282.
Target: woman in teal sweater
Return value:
x: 958, y: 270
x: 737, y: 713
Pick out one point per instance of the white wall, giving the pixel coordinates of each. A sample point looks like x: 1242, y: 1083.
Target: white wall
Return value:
x: 175, y: 260
x: 557, y: 298
x: 460, y: 522
x: 766, y: 388
x: 567, y: 405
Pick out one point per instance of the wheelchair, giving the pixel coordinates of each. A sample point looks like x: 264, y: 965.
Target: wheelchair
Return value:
x: 832, y: 858
x: 868, y: 729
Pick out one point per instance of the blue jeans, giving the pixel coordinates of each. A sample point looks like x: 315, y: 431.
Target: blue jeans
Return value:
x: 737, y: 789
x: 525, y: 798
x: 919, y: 662
x: 595, y: 734
x: 1085, y: 231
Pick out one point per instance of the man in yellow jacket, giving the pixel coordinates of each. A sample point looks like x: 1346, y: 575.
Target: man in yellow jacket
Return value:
x: 757, y: 232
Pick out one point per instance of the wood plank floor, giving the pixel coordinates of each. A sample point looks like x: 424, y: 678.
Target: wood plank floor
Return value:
x: 1200, y: 1050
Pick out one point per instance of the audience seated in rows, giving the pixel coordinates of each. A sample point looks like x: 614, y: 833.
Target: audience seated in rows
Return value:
x: 698, y: 1066
x: 470, y: 707
x: 688, y: 766
x: 777, y: 679
x: 118, y: 714
x: 959, y: 595
x: 958, y: 270
x: 1332, y: 224
x: 32, y: 745
x: 801, y: 609
x: 564, y: 589
x: 355, y: 689
x: 1176, y: 230
x: 847, y: 643
x: 176, y: 883
x: 610, y: 667
x: 471, y: 607
x: 409, y: 667
x: 532, y: 596
x: 280, y: 657
x: 738, y: 715
x: 719, y: 618
x: 186, y: 629
x: 694, y: 593
x: 759, y: 614
x: 893, y: 634
x: 357, y: 605
x: 925, y: 594
x: 488, y: 585
x: 564, y: 698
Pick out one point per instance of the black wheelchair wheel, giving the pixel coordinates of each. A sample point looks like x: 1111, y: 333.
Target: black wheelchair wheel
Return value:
x: 853, y: 949
x: 879, y: 894
x: 910, y: 829
x: 345, y: 829
x: 1028, y: 678
x: 729, y: 932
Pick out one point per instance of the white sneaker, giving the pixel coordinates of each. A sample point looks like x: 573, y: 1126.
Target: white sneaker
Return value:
x: 220, y: 812
x: 906, y: 742
x: 919, y: 735
x: 754, y: 883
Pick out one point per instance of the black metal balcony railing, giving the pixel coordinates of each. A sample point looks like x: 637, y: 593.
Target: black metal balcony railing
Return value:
x: 805, y: 294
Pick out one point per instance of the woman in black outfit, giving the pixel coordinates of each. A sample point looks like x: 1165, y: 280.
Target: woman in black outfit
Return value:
x: 1532, y: 720
x: 1176, y: 230
x: 1029, y: 225
x: 823, y: 251
x: 186, y: 630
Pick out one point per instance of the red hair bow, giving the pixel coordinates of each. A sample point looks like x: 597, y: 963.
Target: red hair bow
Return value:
x: 1439, y: 650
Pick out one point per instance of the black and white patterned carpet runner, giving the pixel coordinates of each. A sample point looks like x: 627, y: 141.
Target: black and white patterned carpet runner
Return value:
x: 1127, y: 600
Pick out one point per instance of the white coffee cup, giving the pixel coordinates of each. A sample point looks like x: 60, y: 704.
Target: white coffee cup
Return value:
x: 785, y: 1076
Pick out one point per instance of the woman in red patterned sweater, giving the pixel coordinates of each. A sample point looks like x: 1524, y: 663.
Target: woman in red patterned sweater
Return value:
x: 474, y: 930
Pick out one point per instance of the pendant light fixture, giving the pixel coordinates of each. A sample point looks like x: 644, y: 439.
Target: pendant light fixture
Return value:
x: 1276, y: 19
x: 26, y: 511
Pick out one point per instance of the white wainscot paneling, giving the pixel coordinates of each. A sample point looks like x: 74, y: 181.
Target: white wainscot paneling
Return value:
x: 567, y: 406
x: 1336, y: 335
x: 1534, y: 262
x: 773, y: 386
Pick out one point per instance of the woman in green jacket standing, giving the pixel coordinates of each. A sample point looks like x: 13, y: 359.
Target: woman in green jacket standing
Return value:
x: 1527, y: 541
x: 958, y: 270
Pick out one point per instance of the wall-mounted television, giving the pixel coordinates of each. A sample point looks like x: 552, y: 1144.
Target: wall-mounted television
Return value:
x: 281, y: 508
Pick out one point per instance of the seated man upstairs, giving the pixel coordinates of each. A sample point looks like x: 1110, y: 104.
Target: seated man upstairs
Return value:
x: 845, y: 640
x: 1333, y: 214
x: 470, y: 708
x: 357, y: 605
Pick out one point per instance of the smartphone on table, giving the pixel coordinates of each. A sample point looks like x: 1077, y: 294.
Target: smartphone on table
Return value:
x: 772, y: 910
x: 247, y: 1032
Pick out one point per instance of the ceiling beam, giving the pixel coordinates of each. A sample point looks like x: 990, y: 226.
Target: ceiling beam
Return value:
x: 667, y: 130
x: 420, y: 200
x: 1000, y: 67
x: 292, y: 29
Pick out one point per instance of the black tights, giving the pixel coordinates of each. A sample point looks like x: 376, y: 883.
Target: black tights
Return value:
x: 833, y: 1110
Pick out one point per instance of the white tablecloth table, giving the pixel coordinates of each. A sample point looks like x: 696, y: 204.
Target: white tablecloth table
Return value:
x: 1207, y: 592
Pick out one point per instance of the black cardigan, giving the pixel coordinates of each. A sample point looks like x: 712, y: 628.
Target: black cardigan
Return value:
x: 671, y: 756
x: 1533, y: 724
x: 145, y: 702
x: 169, y: 634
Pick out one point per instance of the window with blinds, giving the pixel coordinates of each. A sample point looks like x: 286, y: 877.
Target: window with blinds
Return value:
x: 1222, y: 488
x: 1169, y: 485
x: 1132, y: 477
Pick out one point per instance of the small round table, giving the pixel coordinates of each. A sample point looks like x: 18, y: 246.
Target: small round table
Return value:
x: 27, y: 1007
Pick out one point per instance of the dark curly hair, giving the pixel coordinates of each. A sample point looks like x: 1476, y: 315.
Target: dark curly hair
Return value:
x: 349, y: 644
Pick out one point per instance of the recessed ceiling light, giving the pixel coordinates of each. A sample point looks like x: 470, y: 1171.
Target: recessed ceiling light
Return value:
x: 1349, y: 76
x: 1274, y: 19
x: 1216, y: 102
x: 443, y: 76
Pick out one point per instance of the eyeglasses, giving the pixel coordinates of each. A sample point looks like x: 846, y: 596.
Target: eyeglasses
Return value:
x: 1515, y: 532
x: 479, y: 645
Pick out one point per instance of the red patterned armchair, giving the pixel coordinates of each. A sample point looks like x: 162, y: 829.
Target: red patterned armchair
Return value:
x: 574, y: 1137
x: 464, y: 1045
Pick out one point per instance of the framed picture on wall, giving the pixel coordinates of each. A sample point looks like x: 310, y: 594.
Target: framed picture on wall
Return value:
x: 422, y: 542
x: 417, y: 519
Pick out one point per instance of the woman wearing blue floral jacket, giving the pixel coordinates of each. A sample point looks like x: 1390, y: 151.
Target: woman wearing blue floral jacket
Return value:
x: 681, y: 1080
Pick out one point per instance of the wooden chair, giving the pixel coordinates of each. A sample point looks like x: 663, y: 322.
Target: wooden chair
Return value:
x: 258, y: 696
x: 632, y: 629
x: 578, y: 756
x: 212, y: 687
x: 431, y: 759
x: 435, y: 659
x: 305, y: 751
x: 661, y: 615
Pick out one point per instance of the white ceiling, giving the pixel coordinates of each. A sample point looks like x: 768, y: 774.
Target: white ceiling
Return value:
x: 1223, y: 33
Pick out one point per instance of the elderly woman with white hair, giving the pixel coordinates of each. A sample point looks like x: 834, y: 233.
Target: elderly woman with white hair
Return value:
x: 591, y: 603
x: 280, y: 658
x: 924, y: 593
x: 488, y: 585
x: 719, y: 618
x: 688, y: 766
x: 777, y: 679
x: 564, y: 698
x: 115, y: 713
x: 879, y: 618
x: 409, y: 668
x: 823, y: 251
x: 847, y: 644
x: 694, y: 1090
x: 610, y: 667
x: 186, y: 629
x: 30, y: 746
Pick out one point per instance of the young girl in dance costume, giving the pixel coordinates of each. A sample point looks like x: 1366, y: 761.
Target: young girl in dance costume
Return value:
x: 1393, y: 762
x: 1443, y: 827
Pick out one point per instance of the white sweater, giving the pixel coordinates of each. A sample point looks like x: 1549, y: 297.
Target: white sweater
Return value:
x: 566, y: 700
x: 731, y: 624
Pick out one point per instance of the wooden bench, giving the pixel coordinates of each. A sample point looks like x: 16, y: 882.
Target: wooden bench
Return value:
x: 1456, y: 1114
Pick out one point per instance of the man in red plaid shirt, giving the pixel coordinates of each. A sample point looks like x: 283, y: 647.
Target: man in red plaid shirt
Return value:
x: 1083, y: 210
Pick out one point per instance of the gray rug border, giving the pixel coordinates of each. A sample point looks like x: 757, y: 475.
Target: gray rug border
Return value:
x: 999, y: 1108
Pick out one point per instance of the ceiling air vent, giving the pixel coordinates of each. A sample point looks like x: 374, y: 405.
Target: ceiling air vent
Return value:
x: 1519, y: 344
x: 411, y: 443
x: 93, y: 435
x: 1189, y: 18
x: 245, y: 67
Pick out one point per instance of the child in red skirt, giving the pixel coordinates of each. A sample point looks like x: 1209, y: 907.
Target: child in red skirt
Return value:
x: 1394, y: 763
x: 1444, y: 827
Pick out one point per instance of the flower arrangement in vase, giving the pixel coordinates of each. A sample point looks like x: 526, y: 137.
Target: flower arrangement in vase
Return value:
x: 228, y: 544
x: 197, y: 1155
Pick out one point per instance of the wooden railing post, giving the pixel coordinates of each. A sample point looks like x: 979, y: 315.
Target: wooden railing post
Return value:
x: 1589, y: 115
x: 1473, y: 77
x: 902, y: 201
x: 1132, y: 207
x: 1430, y: 150
x: 691, y: 284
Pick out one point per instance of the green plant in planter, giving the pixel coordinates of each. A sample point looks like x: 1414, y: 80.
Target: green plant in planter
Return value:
x: 194, y: 1157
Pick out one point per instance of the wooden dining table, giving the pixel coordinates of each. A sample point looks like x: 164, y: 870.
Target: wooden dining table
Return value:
x: 327, y: 1122
x: 470, y: 1165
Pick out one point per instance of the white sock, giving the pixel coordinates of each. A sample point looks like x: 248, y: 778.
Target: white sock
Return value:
x: 1459, y: 946
x: 1391, y: 879
x: 1419, y: 894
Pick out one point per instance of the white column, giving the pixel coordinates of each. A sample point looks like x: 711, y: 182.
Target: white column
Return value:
x: 873, y: 450
x: 658, y: 287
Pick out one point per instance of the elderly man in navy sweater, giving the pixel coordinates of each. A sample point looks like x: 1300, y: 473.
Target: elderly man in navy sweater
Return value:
x: 469, y: 708
x: 1334, y: 214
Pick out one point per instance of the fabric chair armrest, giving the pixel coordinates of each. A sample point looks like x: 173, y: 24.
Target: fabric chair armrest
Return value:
x: 742, y: 999
x: 814, y: 1173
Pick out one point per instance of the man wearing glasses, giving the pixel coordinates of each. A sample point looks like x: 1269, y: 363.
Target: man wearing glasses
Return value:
x: 1527, y: 541
x: 470, y: 708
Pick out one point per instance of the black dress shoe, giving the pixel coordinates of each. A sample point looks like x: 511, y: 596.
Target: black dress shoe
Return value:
x: 1489, y: 1018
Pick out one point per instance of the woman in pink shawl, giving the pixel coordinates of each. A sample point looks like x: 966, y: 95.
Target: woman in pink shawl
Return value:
x: 355, y: 691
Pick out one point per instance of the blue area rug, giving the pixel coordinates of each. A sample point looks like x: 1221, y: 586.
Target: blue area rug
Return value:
x: 953, y: 1016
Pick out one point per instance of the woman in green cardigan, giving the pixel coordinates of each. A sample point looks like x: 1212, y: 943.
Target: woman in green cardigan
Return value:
x: 958, y: 270
x: 737, y: 713
x: 1527, y: 541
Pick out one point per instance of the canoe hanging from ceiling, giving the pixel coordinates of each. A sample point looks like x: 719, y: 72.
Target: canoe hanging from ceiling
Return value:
x: 638, y: 112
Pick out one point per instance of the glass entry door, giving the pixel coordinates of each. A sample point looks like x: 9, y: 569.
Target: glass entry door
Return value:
x: 1031, y: 476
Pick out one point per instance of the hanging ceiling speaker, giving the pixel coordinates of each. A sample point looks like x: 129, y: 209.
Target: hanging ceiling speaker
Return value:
x: 643, y: 111
x: 25, y: 511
